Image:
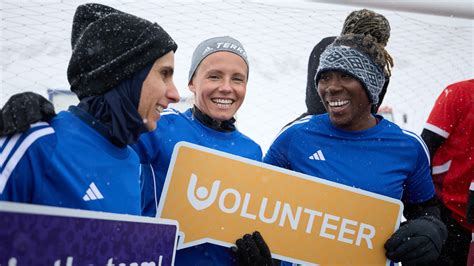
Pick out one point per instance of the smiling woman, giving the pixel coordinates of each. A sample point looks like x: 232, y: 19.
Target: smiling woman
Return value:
x: 121, y: 71
x: 364, y: 150
x: 349, y: 82
x: 219, y: 85
x: 218, y: 78
x: 157, y: 91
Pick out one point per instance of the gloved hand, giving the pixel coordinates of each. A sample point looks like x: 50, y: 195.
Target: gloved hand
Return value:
x: 22, y: 110
x: 418, y: 241
x: 252, y: 250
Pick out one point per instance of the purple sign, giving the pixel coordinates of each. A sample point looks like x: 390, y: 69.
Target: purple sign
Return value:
x: 40, y: 235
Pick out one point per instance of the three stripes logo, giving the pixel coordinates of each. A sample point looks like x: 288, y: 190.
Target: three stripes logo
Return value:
x: 318, y: 156
x: 92, y: 193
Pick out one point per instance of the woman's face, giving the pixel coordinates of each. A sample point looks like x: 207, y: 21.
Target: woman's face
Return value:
x: 346, y: 101
x: 158, y: 90
x: 219, y: 85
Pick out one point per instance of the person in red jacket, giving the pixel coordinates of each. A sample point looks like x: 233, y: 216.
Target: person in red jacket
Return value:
x: 449, y: 135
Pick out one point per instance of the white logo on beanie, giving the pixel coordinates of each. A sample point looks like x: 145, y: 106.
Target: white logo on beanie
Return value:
x: 231, y: 46
x: 208, y: 49
x: 225, y: 46
x: 213, y: 45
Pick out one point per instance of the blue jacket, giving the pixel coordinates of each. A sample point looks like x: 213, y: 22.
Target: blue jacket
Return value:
x: 383, y: 159
x: 69, y: 164
x: 156, y: 147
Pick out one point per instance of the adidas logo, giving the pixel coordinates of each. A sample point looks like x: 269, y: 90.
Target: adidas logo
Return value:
x: 318, y: 156
x: 92, y: 193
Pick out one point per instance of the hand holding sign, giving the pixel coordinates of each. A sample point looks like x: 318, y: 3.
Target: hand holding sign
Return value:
x: 217, y: 197
x: 252, y: 250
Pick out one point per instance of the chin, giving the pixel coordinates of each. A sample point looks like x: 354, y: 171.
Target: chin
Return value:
x: 220, y: 116
x: 150, y: 126
x: 338, y: 122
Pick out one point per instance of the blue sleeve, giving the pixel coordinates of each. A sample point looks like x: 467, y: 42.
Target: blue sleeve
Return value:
x: 148, y: 194
x: 147, y: 146
x: 277, y: 154
x: 419, y: 184
x: 17, y: 183
x: 148, y: 149
x: 258, y: 155
x: 24, y: 160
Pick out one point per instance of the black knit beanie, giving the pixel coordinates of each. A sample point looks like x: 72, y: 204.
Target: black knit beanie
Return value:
x: 108, y: 46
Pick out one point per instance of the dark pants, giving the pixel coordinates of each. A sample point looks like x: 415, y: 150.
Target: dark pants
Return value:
x: 456, y: 249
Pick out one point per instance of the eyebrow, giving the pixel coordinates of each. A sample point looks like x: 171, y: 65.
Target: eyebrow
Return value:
x: 213, y: 71
x: 220, y: 72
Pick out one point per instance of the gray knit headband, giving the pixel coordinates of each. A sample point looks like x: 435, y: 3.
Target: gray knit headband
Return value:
x: 213, y: 45
x: 355, y: 63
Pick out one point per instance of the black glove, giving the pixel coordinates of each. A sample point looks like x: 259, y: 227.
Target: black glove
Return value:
x: 417, y: 241
x: 252, y: 250
x: 22, y: 110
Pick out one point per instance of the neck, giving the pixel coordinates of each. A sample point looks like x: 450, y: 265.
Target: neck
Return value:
x: 222, y: 126
x: 371, y: 122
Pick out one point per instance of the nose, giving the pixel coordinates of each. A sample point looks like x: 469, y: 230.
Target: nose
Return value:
x: 226, y: 86
x: 334, y: 85
x: 172, y: 93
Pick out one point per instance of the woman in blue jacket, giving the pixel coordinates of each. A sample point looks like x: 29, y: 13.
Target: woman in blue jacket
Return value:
x: 218, y: 79
x: 121, y: 69
x: 352, y: 146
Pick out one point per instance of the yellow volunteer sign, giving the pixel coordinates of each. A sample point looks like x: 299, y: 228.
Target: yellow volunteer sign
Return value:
x: 217, y: 197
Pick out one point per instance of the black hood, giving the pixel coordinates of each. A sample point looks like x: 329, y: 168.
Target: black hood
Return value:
x: 314, y: 104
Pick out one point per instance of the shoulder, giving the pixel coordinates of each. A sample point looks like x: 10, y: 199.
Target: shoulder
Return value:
x: 462, y: 85
x: 246, y: 139
x: 38, y: 133
x: 457, y: 93
x: 170, y: 112
x: 172, y: 116
x: 460, y: 94
x: 402, y: 134
x: 416, y: 142
x: 39, y: 139
x: 296, y: 125
x: 292, y: 131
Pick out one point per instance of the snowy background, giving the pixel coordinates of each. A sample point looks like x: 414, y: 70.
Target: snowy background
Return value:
x: 429, y: 51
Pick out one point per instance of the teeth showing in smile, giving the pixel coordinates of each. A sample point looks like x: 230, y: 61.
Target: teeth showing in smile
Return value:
x: 159, y: 109
x: 338, y: 103
x: 222, y: 102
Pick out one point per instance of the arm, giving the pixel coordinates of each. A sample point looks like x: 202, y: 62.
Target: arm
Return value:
x: 430, y: 207
x: 17, y: 182
x: 24, y: 162
x: 444, y: 115
x: 22, y: 110
x: 432, y: 140
x: 149, y: 200
x: 148, y: 149
x: 420, y: 239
